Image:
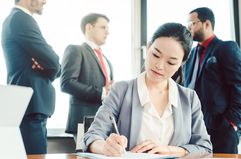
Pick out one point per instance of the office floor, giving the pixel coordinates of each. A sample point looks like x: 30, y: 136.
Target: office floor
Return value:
x: 60, y: 142
x: 61, y: 145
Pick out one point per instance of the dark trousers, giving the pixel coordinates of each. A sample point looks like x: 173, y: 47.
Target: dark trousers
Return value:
x: 34, y: 133
x: 224, y: 140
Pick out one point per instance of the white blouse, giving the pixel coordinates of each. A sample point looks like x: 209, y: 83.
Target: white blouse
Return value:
x: 153, y: 126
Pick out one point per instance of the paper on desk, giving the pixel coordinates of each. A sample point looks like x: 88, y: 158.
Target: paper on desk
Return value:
x: 128, y: 155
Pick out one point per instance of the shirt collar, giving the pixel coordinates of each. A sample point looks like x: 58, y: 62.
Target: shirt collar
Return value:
x: 173, y: 92
x: 143, y: 91
x: 92, y: 44
x: 207, y: 42
x: 23, y: 9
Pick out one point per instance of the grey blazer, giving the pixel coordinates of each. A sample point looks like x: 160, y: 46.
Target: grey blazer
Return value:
x: 82, y: 78
x: 123, y: 103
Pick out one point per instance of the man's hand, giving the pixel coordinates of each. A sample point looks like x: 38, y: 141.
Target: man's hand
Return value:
x: 36, y: 65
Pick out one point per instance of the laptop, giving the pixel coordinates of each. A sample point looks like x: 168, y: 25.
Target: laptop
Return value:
x: 14, y: 101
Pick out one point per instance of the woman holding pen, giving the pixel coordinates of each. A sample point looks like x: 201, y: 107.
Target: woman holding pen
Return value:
x: 153, y: 113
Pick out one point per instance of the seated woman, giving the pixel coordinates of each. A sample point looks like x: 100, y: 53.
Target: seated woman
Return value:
x: 154, y: 114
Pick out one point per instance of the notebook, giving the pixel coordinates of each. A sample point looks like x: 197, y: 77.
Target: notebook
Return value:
x: 128, y: 155
x: 13, y: 104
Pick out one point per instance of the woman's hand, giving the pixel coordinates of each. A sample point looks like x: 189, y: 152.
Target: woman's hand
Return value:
x: 114, y: 145
x: 149, y: 146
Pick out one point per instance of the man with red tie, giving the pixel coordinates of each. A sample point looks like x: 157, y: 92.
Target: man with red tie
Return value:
x: 86, y: 73
x: 214, y: 72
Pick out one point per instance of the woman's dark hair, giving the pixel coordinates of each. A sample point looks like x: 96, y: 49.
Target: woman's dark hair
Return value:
x: 182, y: 35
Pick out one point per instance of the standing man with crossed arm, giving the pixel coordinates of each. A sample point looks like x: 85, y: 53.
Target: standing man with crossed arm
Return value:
x: 33, y: 63
x: 86, y: 73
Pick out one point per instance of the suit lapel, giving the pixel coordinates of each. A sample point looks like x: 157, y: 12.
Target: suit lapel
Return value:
x: 92, y: 54
x: 209, y: 52
x: 178, y: 124
x: 135, y: 117
x: 110, y: 67
x: 189, y: 66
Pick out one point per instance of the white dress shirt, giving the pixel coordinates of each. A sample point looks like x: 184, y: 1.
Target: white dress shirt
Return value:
x: 153, y: 126
x: 94, y: 46
x: 23, y: 9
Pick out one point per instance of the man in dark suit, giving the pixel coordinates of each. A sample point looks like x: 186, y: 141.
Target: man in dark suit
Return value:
x: 214, y: 71
x: 31, y: 62
x: 86, y: 73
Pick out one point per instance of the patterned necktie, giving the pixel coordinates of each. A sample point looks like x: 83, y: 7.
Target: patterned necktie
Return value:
x: 200, y: 54
x: 99, y: 54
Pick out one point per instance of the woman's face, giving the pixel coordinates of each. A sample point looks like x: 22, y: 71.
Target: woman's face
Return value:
x: 164, y: 57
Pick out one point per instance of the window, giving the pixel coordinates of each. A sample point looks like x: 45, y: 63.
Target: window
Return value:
x: 159, y: 12
x: 60, y: 25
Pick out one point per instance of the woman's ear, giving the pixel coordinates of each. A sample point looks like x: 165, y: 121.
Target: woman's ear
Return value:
x: 208, y: 24
x: 148, y: 45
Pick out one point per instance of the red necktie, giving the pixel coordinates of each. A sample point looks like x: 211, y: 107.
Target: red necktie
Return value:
x: 99, y: 54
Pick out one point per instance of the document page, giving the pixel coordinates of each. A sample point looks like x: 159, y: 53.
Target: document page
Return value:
x: 128, y: 155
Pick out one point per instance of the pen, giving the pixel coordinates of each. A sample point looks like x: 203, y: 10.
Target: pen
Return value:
x: 115, y: 127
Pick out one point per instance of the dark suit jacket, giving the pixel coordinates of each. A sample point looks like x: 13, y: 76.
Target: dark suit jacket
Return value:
x: 22, y: 41
x: 218, y: 84
x: 82, y: 78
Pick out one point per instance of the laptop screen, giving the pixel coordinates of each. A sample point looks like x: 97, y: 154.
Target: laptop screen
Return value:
x: 13, y: 104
